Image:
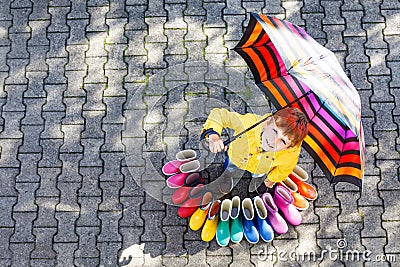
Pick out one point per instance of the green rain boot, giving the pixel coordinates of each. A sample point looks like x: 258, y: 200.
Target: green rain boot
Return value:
x: 223, y: 233
x: 236, y: 221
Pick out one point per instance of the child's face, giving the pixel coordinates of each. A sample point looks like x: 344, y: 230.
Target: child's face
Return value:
x: 272, y: 138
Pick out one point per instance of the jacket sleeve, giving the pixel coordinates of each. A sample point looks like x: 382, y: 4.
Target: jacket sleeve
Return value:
x: 221, y: 118
x: 286, y: 165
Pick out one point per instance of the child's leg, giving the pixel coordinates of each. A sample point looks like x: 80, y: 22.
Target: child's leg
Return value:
x: 256, y: 181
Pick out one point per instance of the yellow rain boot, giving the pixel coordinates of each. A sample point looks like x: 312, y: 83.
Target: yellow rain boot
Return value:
x: 210, y: 227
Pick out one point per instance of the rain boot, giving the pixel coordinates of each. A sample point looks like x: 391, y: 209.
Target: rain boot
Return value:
x: 186, y: 155
x: 284, y: 202
x: 249, y: 228
x: 199, y: 216
x: 305, y: 189
x: 211, y: 224
x: 299, y: 201
x: 263, y: 227
x: 236, y: 222
x: 223, y: 233
x: 194, y: 201
x: 274, y: 218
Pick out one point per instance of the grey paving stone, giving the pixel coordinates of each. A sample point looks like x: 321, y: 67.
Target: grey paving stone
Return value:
x: 375, y: 36
x: 387, y: 146
x: 6, y: 212
x: 131, y: 211
x: 372, y: 12
x: 77, y: 31
x: 48, y: 180
x: 194, y: 8
x: 65, y: 253
x: 355, y: 49
x: 37, y: 58
x: 375, y: 246
x: 213, y: 12
x: 348, y: 204
x: 194, y: 30
x: 90, y: 184
x: 334, y: 37
x: 14, y: 98
x: 20, y: 20
x: 255, y: 7
x: 371, y: 219
x: 26, y: 197
x: 109, y: 226
x: 76, y: 57
x: 370, y: 195
x: 78, y: 11
x: 68, y: 198
x: 174, y: 240
x: 107, y: 257
x: 58, y: 19
x: 115, y: 83
x: 112, y: 167
x: 94, y: 102
x: 6, y: 11
x: 97, y: 19
x: 354, y: 29
x: 115, y: 57
x: 23, y: 227
x: 66, y: 227
x: 95, y: 70
x: 9, y: 149
x: 88, y: 211
x: 18, y: 45
x: 51, y: 148
x: 46, y: 212
x: 391, y: 20
x: 21, y: 252
x: 39, y: 10
x: 112, y: 138
x: 390, y: 200
x: 57, y: 44
x: 57, y: 75
x: 152, y: 226
x: 73, y: 112
x: 110, y: 201
x: 114, y: 109
x: 91, y: 155
x: 38, y: 35
x: 171, y: 260
x: 43, y: 243
x: 377, y: 66
x: 116, y: 31
x: 71, y: 139
x: 175, y: 18
x: 5, y: 252
x: 87, y: 242
x: 391, y: 228
x: 196, y: 253
x: 136, y: 18
x: 328, y: 217
x: 117, y: 10
x: 395, y: 82
x: 17, y: 71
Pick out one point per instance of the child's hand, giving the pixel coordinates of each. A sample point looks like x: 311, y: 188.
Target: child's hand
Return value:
x: 215, y: 143
x: 268, y: 183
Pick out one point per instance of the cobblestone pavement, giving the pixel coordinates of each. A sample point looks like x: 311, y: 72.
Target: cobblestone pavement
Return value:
x: 97, y: 95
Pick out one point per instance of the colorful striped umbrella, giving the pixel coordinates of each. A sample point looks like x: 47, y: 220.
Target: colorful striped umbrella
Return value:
x: 290, y: 67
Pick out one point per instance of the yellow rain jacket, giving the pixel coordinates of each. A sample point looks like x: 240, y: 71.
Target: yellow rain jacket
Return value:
x: 246, y: 151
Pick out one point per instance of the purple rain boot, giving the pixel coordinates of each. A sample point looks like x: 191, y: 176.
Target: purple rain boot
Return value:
x: 284, y: 201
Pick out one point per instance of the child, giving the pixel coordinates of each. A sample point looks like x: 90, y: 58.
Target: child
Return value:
x: 271, y: 148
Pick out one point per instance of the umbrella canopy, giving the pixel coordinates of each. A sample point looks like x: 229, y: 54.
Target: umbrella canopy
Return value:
x: 291, y: 68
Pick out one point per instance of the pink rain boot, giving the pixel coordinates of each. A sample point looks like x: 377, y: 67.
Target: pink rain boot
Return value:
x: 277, y: 222
x: 284, y: 201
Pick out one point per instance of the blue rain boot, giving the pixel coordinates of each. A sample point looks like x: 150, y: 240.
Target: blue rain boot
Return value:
x: 249, y: 228
x: 263, y: 227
